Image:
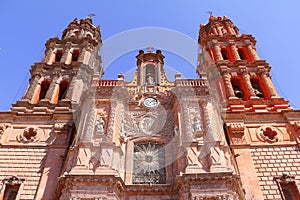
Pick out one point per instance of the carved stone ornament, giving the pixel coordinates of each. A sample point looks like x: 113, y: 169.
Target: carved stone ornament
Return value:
x: 13, y: 180
x: 3, y: 127
x: 297, y: 125
x: 237, y: 131
x: 30, y: 134
x: 269, y: 134
x: 61, y: 127
x: 236, y: 128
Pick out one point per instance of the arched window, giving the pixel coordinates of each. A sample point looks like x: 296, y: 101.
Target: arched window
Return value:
x: 242, y: 54
x: 75, y: 55
x: 12, y: 186
x: 237, y: 89
x: 63, y: 87
x: 224, y: 53
x: 149, y: 163
x: 257, y: 90
x: 150, y: 75
x: 58, y: 55
x: 44, y: 88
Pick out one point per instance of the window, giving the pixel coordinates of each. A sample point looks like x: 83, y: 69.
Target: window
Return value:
x: 224, y: 53
x: 287, y: 187
x: 12, y: 186
x: 257, y: 89
x: 58, y: 55
x: 242, y: 54
x: 11, y: 192
x: 149, y: 163
x: 63, y: 87
x: 44, y: 88
x: 237, y: 90
x: 75, y: 55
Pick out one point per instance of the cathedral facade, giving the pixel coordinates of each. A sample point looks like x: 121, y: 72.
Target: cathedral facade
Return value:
x: 225, y: 135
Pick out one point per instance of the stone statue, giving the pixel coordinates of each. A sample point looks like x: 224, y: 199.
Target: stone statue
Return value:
x: 100, y: 125
x: 150, y: 80
x: 197, y: 127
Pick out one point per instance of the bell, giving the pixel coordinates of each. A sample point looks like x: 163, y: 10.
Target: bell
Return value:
x: 238, y: 93
x: 259, y: 94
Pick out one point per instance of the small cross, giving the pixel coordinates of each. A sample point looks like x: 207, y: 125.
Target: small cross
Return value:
x: 210, y: 13
x: 91, y: 15
x: 150, y: 49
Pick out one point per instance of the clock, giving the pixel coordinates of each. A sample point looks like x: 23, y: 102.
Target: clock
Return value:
x: 150, y: 102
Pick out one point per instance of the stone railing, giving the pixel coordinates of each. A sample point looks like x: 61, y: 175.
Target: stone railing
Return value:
x: 190, y: 82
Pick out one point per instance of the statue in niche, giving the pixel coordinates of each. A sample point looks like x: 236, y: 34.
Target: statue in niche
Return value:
x: 197, y: 127
x: 150, y: 80
x: 100, y: 125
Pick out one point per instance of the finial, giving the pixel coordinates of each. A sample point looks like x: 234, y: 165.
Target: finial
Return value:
x: 150, y: 49
x: 210, y: 13
x: 90, y: 15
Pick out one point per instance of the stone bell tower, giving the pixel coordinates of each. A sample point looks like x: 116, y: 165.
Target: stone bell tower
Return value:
x: 67, y: 69
x: 261, y: 128
x: 37, y: 132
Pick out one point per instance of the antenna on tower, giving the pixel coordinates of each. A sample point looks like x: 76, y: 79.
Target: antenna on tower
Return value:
x: 210, y: 13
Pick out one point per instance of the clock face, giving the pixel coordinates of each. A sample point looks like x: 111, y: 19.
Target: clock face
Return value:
x: 150, y: 102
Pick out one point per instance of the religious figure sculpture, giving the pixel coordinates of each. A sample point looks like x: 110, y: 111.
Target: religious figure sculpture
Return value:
x: 100, y: 125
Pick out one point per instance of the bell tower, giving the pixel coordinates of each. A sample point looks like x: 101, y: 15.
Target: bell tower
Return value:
x: 67, y: 69
x: 150, y: 66
x: 234, y: 69
x: 260, y: 126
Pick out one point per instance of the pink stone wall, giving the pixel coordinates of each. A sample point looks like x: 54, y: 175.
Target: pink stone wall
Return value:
x: 274, y: 161
x: 24, y: 163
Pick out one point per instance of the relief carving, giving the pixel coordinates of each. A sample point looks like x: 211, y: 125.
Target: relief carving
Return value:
x: 30, y: 134
x: 269, y: 134
x: 237, y: 131
x: 3, y: 127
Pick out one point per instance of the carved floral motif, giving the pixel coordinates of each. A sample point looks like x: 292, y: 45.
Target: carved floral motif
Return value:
x: 269, y: 134
x: 30, y: 134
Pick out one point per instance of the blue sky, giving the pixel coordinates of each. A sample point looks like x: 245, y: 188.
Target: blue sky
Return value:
x: 26, y: 26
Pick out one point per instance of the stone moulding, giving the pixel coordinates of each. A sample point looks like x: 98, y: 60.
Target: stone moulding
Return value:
x: 219, y: 183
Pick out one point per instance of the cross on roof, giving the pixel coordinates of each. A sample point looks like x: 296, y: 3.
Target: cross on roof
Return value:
x: 150, y: 49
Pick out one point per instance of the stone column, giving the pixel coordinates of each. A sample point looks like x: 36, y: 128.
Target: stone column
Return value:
x: 33, y: 84
x: 235, y: 51
x: 218, y: 53
x: 85, y: 53
x: 267, y: 81
x: 49, y: 53
x: 252, y: 51
x: 227, y: 83
x: 247, y: 81
x: 71, y: 88
x: 51, y: 91
x: 66, y: 52
x: 90, y: 121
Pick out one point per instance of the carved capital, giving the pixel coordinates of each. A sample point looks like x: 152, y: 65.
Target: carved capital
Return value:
x: 243, y: 69
x: 236, y: 128
x: 261, y: 69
